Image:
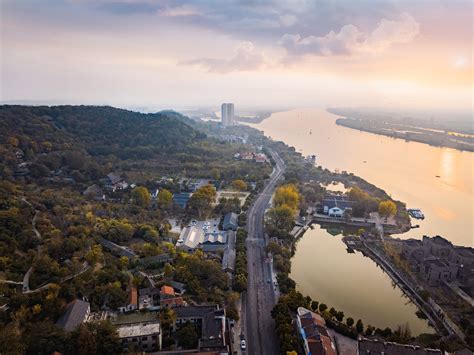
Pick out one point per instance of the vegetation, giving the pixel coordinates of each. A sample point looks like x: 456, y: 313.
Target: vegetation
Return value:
x: 240, y: 273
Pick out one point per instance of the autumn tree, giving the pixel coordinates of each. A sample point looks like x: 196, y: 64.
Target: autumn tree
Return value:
x: 287, y: 195
x: 165, y: 199
x: 387, y: 208
x: 202, y: 200
x: 239, y: 185
x: 141, y: 196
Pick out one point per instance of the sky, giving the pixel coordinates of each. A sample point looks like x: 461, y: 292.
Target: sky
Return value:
x: 267, y: 54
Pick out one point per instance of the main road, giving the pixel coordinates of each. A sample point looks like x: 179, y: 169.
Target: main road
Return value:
x: 261, y: 291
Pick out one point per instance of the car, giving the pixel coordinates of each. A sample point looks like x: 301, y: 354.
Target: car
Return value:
x: 193, y: 222
x: 243, y: 344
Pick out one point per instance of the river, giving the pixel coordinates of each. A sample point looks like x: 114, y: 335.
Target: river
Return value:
x: 439, y: 181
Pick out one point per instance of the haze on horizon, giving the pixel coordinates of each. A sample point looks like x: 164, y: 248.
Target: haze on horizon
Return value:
x: 392, y: 54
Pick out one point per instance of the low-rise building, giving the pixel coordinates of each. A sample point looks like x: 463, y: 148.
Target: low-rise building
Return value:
x: 181, y: 199
x: 77, y: 312
x: 115, y: 182
x: 375, y: 347
x: 132, y: 303
x: 313, y: 331
x: 140, y: 337
x: 436, y: 271
x: 230, y: 221
x: 193, y: 237
x: 211, y: 321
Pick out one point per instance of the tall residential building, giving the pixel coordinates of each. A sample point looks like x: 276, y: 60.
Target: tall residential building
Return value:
x: 227, y: 114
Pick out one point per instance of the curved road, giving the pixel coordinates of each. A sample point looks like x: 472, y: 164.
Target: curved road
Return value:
x: 260, y: 299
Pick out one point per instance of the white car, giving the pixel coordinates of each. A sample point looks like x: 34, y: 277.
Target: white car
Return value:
x: 243, y: 344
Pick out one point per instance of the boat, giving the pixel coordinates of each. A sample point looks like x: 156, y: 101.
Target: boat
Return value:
x: 310, y: 132
x: 438, y: 176
x: 416, y: 213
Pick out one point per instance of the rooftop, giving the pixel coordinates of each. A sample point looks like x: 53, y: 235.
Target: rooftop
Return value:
x: 76, y: 313
x: 137, y: 330
x: 190, y: 237
x: 167, y: 290
x: 374, y: 347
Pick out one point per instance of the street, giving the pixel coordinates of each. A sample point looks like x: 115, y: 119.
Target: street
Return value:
x: 260, y: 298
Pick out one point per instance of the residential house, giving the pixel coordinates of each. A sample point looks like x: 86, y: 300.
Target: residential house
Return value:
x: 132, y: 304
x: 149, y: 298
x: 412, y: 250
x: 76, y: 313
x: 230, y: 221
x: 437, y: 246
x: 115, y: 182
x: 339, y: 201
x: 313, y: 331
x: 375, y: 347
x: 336, y: 212
x: 169, y: 298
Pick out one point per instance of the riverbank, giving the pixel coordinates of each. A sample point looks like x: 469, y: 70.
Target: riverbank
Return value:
x: 414, y: 134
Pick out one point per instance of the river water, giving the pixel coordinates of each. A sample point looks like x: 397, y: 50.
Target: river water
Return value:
x: 439, y: 181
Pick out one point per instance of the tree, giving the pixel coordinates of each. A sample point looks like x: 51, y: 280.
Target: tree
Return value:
x: 187, y: 336
x: 281, y: 218
x: 339, y: 316
x: 314, y: 305
x: 239, y: 185
x: 369, y: 330
x: 215, y: 174
x: 202, y: 200
x: 322, y: 307
x: 387, y: 208
x: 165, y: 199
x: 94, y: 338
x: 350, y: 322
x: 141, y: 196
x: 124, y: 262
x: 360, y: 326
x: 287, y: 195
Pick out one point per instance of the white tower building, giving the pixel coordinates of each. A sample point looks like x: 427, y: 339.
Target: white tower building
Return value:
x: 227, y: 114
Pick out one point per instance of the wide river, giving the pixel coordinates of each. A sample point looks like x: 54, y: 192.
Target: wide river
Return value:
x: 439, y: 181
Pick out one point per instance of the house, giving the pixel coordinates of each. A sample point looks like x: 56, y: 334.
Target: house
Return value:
x: 313, y: 331
x: 190, y: 238
x: 149, y: 298
x: 210, y: 319
x: 335, y: 212
x: 114, y: 182
x: 156, y: 260
x: 437, y: 246
x: 412, y: 250
x: 76, y: 313
x: 181, y: 199
x: 230, y: 221
x: 436, y: 271
x: 132, y: 304
x: 260, y: 158
x: 375, y: 347
x: 331, y: 201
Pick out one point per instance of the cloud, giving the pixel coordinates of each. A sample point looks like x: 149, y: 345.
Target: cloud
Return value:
x: 178, y: 11
x: 350, y: 40
x: 245, y: 58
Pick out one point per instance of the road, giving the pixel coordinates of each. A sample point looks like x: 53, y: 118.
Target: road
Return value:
x: 260, y: 298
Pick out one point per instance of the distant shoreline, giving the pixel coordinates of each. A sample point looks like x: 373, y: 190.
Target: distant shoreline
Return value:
x: 420, y: 135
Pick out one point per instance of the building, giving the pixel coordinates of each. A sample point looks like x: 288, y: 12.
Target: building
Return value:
x: 375, y: 347
x: 331, y: 201
x: 132, y: 304
x: 140, y: 337
x: 437, y: 246
x: 149, y: 298
x: 210, y: 320
x: 336, y: 212
x: 139, y: 331
x: 228, y: 260
x: 76, y: 313
x: 115, y: 182
x: 313, y: 331
x: 230, y: 221
x: 193, y: 237
x: 117, y: 249
x: 190, y: 238
x: 412, y: 250
x: 227, y: 114
x: 436, y: 271
x: 181, y: 199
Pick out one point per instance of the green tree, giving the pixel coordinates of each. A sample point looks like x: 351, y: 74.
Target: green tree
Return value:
x: 94, y: 338
x: 359, y: 326
x: 314, y: 305
x: 387, y: 208
x: 281, y: 218
x: 350, y: 322
x: 141, y: 196
x: 165, y: 199
x: 187, y: 336
x: 339, y: 316
x: 322, y: 307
